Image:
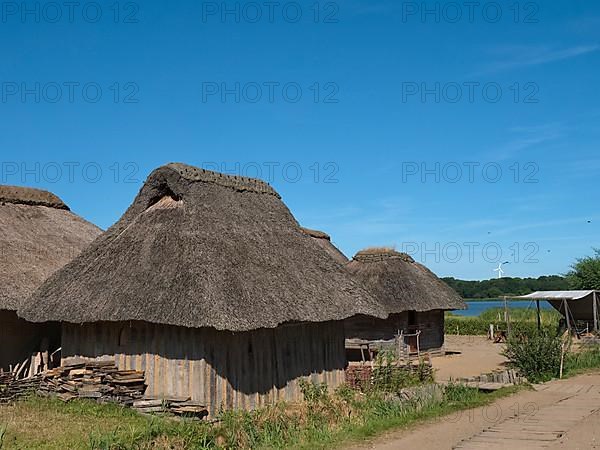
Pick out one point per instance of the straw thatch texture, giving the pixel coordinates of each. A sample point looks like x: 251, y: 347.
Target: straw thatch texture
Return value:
x: 324, y: 241
x: 401, y: 284
x: 202, y: 249
x: 38, y: 235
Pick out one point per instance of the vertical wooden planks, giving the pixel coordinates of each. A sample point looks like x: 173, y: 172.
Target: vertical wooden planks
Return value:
x: 234, y: 370
x: 212, y: 373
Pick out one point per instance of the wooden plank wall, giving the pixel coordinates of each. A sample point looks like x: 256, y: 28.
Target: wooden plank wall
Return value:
x: 431, y: 324
x: 371, y: 328
x: 223, y: 369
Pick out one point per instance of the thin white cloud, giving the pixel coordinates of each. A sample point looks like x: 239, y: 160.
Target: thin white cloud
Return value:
x: 544, y: 224
x: 525, y: 138
x: 526, y: 56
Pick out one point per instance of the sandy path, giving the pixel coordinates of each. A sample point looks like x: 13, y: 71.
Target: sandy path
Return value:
x: 565, y: 407
x: 584, y: 436
x: 476, y: 355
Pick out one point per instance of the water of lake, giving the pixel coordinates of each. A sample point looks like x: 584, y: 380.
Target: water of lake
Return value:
x: 474, y: 308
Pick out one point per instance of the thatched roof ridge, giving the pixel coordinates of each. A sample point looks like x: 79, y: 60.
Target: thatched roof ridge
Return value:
x: 39, y: 236
x: 400, y: 283
x: 19, y: 195
x: 324, y: 241
x: 316, y: 234
x: 374, y: 254
x: 197, y: 249
x: 236, y: 182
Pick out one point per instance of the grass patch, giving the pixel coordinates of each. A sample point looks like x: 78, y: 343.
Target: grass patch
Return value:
x: 323, y: 420
x: 583, y: 361
x: 522, y: 320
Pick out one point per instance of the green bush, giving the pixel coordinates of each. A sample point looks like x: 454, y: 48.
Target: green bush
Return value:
x: 388, y: 376
x: 535, y: 354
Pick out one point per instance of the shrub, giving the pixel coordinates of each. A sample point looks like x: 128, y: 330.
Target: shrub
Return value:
x: 535, y: 354
x: 388, y: 376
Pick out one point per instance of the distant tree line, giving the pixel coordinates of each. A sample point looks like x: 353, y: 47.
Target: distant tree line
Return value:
x: 498, y: 287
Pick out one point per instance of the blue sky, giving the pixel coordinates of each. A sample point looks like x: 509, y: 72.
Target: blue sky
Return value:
x: 464, y: 137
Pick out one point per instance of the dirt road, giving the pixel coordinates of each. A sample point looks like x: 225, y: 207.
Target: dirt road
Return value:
x: 559, y: 414
x: 473, y: 355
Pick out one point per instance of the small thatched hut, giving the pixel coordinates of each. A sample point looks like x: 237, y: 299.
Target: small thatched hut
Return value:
x: 208, y: 284
x: 414, y: 297
x: 38, y: 235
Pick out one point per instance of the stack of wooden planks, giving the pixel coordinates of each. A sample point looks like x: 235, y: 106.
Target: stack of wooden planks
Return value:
x: 99, y: 380
x: 178, y: 406
x: 6, y: 378
x: 12, y: 388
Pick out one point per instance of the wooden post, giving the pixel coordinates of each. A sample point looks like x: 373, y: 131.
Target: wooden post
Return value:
x: 539, y: 319
x: 595, y: 301
x: 506, y: 316
x: 562, y: 358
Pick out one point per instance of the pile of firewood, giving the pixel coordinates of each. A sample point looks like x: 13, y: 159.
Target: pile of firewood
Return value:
x: 100, y: 380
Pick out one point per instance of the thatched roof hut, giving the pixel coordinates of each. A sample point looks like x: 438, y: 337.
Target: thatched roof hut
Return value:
x: 39, y: 235
x: 221, y: 260
x: 324, y: 241
x: 202, y: 249
x: 414, y: 297
x: 400, y: 283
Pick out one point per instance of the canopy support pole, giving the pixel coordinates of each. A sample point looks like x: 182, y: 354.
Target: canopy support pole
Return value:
x: 567, y: 315
x: 539, y: 319
x: 595, y: 301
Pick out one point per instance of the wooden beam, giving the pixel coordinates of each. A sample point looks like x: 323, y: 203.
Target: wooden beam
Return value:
x: 539, y: 319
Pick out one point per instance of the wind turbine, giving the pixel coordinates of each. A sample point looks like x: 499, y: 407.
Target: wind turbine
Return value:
x: 499, y: 268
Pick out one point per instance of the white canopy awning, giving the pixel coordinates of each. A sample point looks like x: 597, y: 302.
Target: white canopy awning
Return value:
x: 557, y: 295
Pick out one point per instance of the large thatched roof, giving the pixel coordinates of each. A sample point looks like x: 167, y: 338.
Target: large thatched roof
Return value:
x: 199, y: 248
x: 324, y: 241
x: 400, y: 283
x: 38, y: 235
